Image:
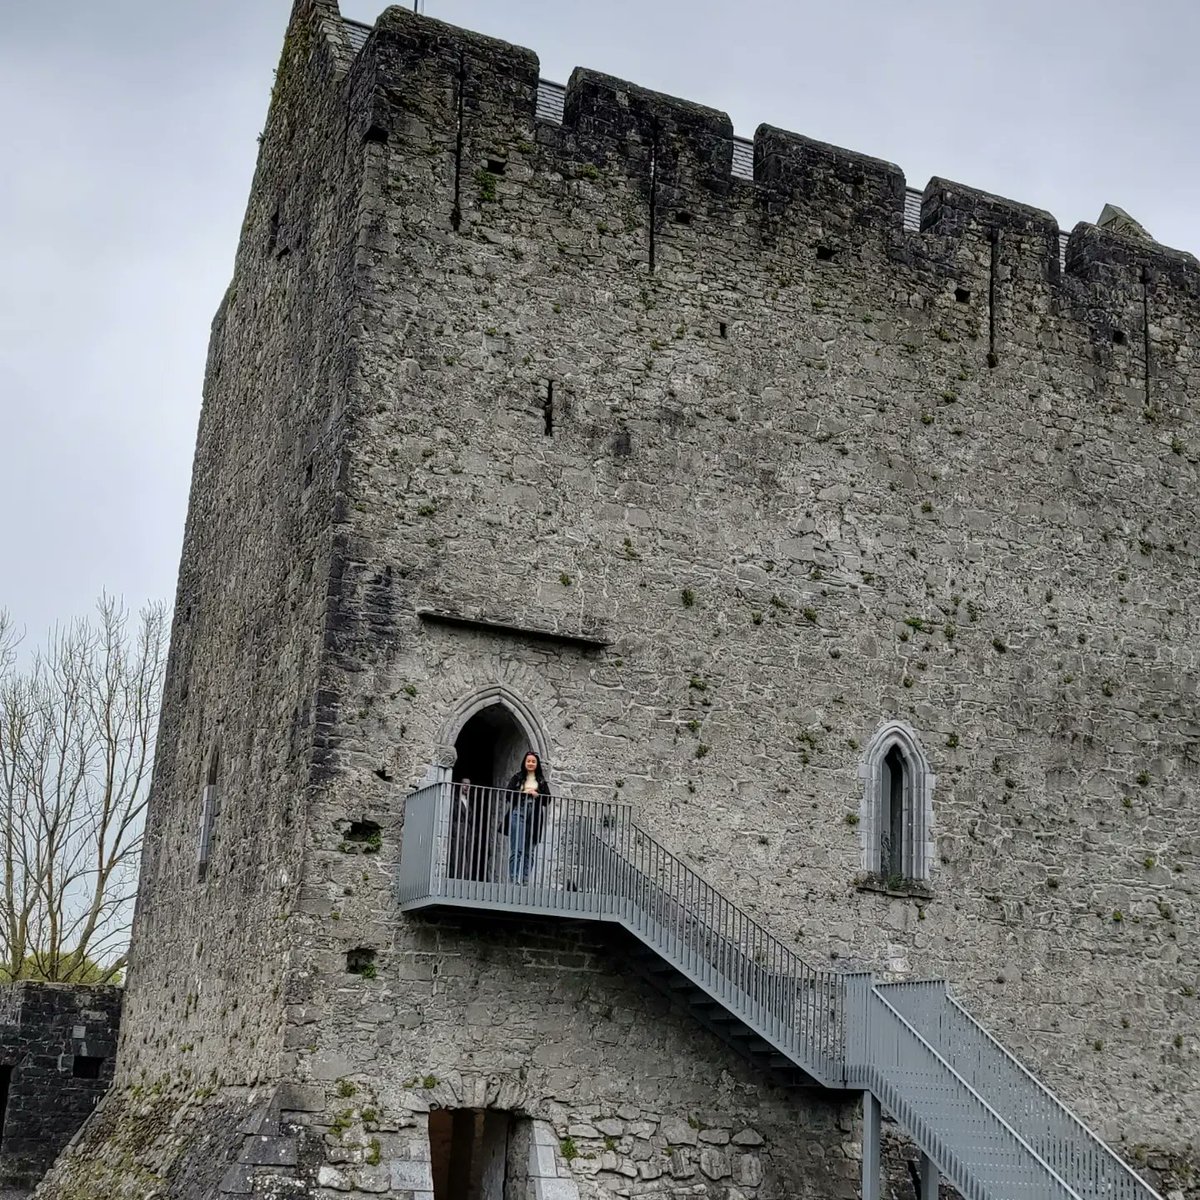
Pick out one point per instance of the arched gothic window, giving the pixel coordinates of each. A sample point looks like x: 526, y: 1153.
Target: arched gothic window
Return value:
x: 210, y: 806
x: 896, y: 814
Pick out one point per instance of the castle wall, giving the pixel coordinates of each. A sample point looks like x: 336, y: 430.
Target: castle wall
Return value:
x: 57, y: 1047
x: 211, y: 955
x: 810, y: 473
x: 805, y: 473
x: 552, y: 1023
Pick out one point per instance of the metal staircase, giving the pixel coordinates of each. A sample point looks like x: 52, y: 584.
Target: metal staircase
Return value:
x: 978, y: 1117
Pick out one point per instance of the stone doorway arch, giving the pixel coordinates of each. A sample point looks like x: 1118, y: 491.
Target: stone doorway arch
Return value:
x: 487, y: 734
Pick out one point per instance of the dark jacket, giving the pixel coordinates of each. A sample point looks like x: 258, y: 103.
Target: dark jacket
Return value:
x: 533, y: 833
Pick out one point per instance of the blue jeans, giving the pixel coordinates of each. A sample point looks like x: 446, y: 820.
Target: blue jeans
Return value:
x: 520, y: 841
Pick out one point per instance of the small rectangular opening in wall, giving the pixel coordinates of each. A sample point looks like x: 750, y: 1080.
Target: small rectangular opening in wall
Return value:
x: 5, y: 1083
x: 962, y: 295
x: 1118, y: 337
x: 683, y: 218
x: 723, y: 329
x: 86, y: 1066
x: 361, y: 961
x: 496, y: 166
x: 824, y: 254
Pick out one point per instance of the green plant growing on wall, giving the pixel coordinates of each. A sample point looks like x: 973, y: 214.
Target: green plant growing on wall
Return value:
x: 487, y: 185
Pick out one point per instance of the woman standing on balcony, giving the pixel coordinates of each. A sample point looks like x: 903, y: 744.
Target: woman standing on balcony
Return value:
x: 528, y: 796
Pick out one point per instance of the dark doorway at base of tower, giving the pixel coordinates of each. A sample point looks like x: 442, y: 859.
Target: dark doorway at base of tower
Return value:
x: 469, y: 1153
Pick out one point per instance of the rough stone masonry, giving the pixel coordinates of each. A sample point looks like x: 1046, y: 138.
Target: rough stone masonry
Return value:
x: 802, y: 475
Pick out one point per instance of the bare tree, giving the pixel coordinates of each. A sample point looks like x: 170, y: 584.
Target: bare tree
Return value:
x: 77, y: 733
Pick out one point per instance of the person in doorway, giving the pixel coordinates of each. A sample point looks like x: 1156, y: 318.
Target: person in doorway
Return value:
x: 529, y: 793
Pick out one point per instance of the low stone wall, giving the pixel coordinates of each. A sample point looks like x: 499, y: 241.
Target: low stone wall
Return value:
x: 57, y: 1047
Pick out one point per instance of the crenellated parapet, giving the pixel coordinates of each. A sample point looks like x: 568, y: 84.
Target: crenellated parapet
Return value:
x: 430, y: 84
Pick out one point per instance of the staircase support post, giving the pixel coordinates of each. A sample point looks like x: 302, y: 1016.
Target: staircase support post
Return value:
x: 929, y: 1178
x: 871, y: 1149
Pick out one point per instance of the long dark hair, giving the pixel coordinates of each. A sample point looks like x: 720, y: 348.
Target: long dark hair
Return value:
x: 518, y: 780
x: 538, y: 773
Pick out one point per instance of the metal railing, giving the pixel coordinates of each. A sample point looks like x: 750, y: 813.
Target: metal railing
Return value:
x: 975, y: 1148
x: 989, y: 1126
x: 494, y: 849
x: 1050, y: 1128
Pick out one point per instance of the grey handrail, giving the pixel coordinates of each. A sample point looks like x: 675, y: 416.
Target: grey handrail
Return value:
x: 793, y: 1005
x: 975, y: 1148
x: 1052, y: 1129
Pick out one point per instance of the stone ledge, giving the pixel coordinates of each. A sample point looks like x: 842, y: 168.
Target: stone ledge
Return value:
x: 902, y: 889
x: 587, y: 640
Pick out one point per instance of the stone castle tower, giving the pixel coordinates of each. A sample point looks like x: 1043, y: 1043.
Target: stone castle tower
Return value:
x: 842, y: 539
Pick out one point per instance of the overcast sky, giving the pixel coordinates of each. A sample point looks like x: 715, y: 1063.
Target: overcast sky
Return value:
x: 127, y: 132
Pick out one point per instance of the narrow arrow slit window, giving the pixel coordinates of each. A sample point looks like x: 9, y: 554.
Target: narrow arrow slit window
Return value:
x: 210, y: 806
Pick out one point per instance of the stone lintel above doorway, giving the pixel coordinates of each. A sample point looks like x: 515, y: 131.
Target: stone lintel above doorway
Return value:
x: 589, y: 637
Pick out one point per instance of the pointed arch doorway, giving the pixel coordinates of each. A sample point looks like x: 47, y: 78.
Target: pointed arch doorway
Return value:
x: 490, y: 735
x: 489, y: 747
x: 490, y: 730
